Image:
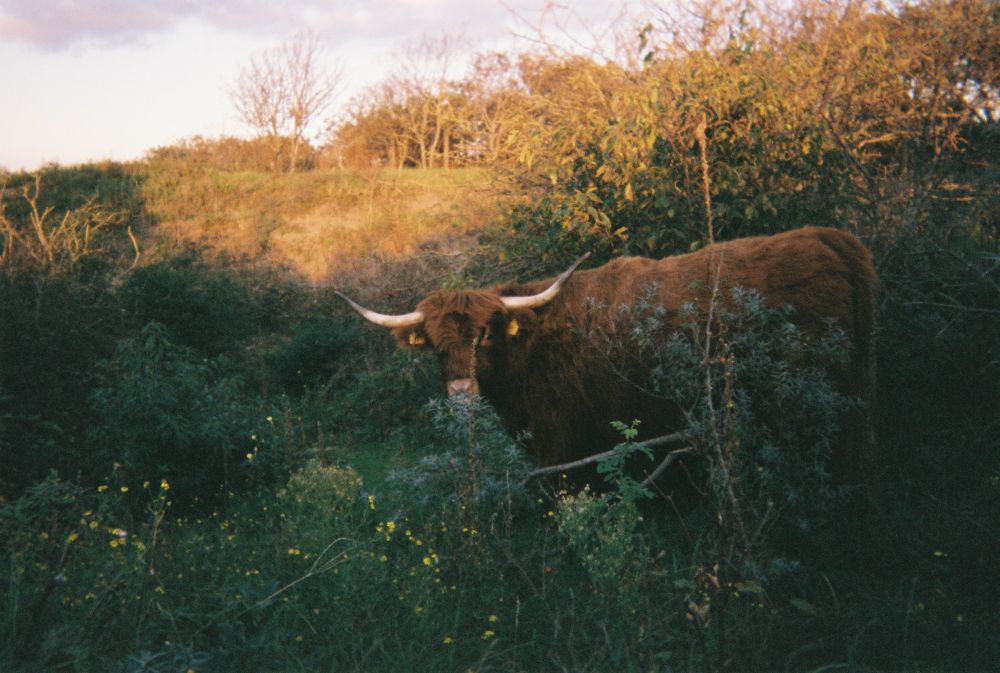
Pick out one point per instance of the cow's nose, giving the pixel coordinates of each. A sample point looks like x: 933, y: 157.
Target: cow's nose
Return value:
x: 462, y: 387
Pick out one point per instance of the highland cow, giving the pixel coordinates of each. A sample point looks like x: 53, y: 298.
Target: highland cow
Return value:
x: 524, y: 347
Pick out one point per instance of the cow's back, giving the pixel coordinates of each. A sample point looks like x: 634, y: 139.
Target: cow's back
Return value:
x: 825, y: 274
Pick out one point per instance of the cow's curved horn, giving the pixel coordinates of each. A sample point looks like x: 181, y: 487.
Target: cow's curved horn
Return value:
x: 404, y: 320
x: 545, y: 296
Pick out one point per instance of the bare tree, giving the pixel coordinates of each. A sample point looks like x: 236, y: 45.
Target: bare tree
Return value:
x: 283, y: 91
x: 430, y: 103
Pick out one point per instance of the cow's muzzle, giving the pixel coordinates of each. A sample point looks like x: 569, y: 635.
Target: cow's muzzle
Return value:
x: 462, y: 387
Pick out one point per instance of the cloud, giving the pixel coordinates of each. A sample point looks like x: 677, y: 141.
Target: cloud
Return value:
x: 56, y: 24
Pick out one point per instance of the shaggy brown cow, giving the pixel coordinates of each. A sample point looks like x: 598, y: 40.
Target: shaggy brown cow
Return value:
x: 522, y: 347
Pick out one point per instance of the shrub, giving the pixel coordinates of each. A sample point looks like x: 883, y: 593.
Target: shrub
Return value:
x: 169, y: 413
x: 318, y: 351
x: 202, y: 308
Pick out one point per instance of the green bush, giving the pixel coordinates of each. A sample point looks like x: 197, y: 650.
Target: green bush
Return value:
x: 207, y: 309
x: 167, y: 412
x: 318, y: 350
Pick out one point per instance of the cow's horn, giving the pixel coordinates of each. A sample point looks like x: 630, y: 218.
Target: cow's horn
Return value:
x: 546, y: 296
x: 404, y: 320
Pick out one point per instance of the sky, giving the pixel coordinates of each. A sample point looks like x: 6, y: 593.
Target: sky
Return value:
x: 90, y: 80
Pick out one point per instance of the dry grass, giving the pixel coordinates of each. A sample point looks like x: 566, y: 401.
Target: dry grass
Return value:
x: 319, y: 223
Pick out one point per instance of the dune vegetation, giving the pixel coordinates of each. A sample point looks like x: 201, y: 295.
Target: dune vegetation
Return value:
x: 209, y: 463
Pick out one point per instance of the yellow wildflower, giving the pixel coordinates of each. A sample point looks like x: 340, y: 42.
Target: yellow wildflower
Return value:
x: 487, y: 634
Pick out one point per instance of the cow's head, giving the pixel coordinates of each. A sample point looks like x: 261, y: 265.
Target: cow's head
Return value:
x: 467, y: 329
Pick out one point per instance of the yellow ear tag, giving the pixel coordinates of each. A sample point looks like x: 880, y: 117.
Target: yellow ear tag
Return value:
x: 512, y: 328
x: 416, y: 340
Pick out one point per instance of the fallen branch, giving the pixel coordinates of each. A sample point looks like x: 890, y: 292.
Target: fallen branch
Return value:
x: 654, y: 443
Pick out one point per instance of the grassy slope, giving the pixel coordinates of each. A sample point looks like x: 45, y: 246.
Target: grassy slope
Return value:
x: 314, y: 223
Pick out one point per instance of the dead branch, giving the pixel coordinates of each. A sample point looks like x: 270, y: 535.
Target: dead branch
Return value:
x: 667, y: 462
x: 654, y: 443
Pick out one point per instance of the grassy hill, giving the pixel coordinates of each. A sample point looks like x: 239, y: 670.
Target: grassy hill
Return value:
x: 312, y: 223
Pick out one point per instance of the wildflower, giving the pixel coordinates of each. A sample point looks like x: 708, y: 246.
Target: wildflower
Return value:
x: 102, y: 488
x: 487, y: 634
x: 145, y: 484
x: 72, y: 537
x: 292, y: 551
x: 270, y: 419
x: 124, y: 489
x: 164, y: 485
x: 427, y: 560
x: 250, y: 457
x: 383, y: 558
x: 371, y: 502
x: 448, y: 640
x: 492, y: 619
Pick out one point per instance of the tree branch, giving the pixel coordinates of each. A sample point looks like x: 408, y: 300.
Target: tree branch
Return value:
x: 654, y: 443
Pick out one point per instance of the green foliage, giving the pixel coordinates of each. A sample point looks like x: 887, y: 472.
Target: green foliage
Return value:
x: 169, y: 413
x: 209, y: 310
x: 317, y: 350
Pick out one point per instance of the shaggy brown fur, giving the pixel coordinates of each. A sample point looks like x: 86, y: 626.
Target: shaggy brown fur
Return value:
x: 546, y: 380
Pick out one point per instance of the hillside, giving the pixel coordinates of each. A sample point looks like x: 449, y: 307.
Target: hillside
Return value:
x: 311, y: 224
